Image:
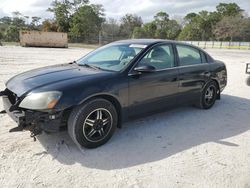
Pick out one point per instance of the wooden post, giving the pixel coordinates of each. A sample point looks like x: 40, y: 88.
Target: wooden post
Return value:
x: 220, y: 44
x: 213, y: 44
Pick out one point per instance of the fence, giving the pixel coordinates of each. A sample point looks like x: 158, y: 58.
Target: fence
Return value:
x: 220, y: 45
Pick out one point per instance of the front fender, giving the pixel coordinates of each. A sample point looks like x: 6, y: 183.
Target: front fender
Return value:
x: 116, y: 88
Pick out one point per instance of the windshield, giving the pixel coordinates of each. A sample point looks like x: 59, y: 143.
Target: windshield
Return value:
x: 112, y: 57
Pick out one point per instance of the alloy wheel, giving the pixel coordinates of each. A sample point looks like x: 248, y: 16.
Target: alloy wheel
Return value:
x: 210, y: 95
x: 97, y: 125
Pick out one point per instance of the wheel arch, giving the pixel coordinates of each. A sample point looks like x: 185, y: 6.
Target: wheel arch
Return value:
x: 218, y: 87
x: 111, y: 99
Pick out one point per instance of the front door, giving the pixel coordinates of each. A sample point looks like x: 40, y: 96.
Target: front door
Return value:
x: 155, y: 90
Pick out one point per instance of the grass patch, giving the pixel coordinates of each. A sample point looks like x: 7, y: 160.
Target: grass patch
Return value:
x: 10, y: 43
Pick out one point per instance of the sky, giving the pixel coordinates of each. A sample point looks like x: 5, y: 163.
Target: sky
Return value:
x: 117, y: 8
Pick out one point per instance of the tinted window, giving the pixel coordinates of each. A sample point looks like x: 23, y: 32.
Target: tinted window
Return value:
x: 111, y: 54
x: 112, y: 57
x: 160, y: 57
x: 188, y: 55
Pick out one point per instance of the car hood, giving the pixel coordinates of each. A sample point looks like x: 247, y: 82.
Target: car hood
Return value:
x: 36, y: 78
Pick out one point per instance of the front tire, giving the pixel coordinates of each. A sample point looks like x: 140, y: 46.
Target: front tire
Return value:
x: 93, y: 123
x: 208, y: 95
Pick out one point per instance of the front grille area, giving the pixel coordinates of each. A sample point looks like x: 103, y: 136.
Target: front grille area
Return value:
x: 12, y: 97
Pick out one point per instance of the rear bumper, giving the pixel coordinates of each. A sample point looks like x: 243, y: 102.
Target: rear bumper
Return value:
x: 34, y: 121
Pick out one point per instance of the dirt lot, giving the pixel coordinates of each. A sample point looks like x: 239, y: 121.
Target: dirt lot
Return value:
x: 184, y: 147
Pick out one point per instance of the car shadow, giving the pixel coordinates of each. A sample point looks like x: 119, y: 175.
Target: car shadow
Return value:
x: 157, y: 137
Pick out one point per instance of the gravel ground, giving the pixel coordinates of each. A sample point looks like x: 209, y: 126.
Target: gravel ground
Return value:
x: 184, y: 147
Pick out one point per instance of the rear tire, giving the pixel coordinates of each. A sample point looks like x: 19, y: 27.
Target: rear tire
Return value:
x: 208, y: 95
x: 92, y: 124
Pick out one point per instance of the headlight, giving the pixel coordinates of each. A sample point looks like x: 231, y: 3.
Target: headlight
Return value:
x: 41, y: 101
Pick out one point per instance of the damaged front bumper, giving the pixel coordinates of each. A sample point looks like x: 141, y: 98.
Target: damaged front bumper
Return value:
x: 34, y: 121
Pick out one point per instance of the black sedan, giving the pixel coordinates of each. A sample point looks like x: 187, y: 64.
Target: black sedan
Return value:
x: 92, y: 96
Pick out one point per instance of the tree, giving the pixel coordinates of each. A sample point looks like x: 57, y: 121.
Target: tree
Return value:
x: 12, y: 34
x: 1, y: 36
x: 229, y: 28
x: 61, y: 12
x: 78, y: 3
x: 146, y: 31
x: 150, y: 29
x: 228, y: 9
x: 139, y: 32
x: 85, y: 23
x: 18, y: 20
x: 174, y: 30
x: 199, y: 26
x: 49, y: 25
x: 190, y: 17
x: 34, y: 22
x: 6, y: 20
x: 128, y: 23
x: 165, y: 27
x: 110, y: 29
x: 189, y: 32
x: 161, y: 19
x: 245, y: 31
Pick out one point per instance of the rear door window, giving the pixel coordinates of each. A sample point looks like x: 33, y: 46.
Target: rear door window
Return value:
x: 188, y: 55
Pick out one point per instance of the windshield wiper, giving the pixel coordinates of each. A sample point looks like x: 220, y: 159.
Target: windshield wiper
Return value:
x: 73, y: 62
x: 90, y: 66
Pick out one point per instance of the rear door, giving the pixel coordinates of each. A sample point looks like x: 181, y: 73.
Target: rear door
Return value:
x: 194, y: 72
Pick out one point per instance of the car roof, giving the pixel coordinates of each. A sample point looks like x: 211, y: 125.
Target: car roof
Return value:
x: 150, y: 42
x: 142, y: 41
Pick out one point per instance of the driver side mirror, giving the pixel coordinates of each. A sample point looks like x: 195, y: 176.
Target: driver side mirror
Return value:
x: 145, y: 69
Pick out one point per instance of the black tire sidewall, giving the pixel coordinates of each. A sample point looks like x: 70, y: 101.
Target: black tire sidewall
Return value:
x: 82, y: 114
x: 203, y: 103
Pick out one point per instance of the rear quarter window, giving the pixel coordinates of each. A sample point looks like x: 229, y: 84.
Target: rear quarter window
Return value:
x: 203, y: 57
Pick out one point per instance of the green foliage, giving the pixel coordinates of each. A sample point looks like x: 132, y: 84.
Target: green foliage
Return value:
x: 201, y: 26
x: 245, y: 31
x: 12, y: 34
x: 49, y: 25
x: 230, y: 9
x: 160, y: 27
x: 110, y: 30
x: 86, y: 23
x: 6, y: 20
x: 233, y: 28
x: 128, y: 23
x: 150, y: 29
x: 61, y: 11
